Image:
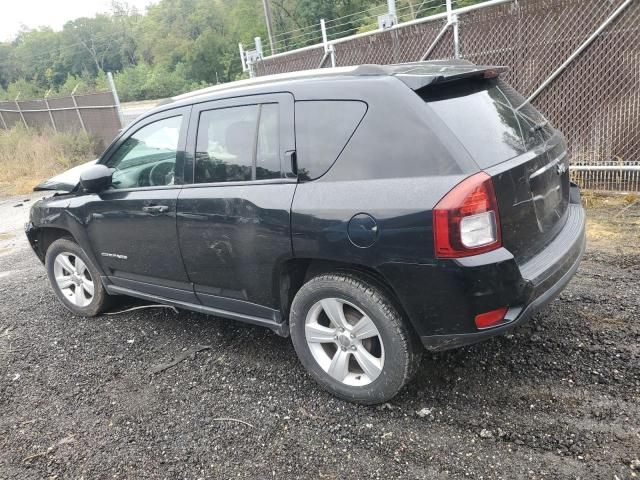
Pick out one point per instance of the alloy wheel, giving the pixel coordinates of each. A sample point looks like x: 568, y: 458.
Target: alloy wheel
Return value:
x: 73, y: 279
x: 344, y: 342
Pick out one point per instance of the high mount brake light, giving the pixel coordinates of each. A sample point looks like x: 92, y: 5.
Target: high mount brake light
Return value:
x: 466, y: 220
x: 490, y: 74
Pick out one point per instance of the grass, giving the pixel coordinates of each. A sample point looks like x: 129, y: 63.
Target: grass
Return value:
x: 28, y: 157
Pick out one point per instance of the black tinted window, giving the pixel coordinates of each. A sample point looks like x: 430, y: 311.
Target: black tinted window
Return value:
x: 268, y: 155
x: 323, y: 129
x: 484, y: 115
x: 238, y: 144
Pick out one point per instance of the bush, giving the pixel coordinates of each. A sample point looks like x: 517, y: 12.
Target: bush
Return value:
x: 130, y: 82
x: 25, y: 88
x: 28, y: 157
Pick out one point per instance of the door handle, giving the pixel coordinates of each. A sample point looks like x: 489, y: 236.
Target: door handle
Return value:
x: 155, y: 209
x: 291, y: 164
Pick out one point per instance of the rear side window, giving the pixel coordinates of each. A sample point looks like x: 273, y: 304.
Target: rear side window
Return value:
x: 323, y: 128
x: 238, y: 144
x: 485, y: 117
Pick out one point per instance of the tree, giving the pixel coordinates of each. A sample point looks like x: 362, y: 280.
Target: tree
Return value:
x: 92, y: 45
x: 177, y: 45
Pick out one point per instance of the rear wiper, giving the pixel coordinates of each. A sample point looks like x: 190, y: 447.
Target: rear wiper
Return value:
x: 538, y: 126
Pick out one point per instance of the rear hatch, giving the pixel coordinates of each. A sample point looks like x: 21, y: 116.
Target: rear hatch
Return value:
x: 511, y: 141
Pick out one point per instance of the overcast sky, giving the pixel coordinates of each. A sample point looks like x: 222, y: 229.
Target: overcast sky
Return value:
x: 52, y: 13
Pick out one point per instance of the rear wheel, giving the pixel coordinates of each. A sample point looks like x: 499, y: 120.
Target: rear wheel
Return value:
x: 74, y: 279
x: 352, y: 339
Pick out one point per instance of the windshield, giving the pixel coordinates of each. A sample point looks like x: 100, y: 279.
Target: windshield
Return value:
x: 492, y: 120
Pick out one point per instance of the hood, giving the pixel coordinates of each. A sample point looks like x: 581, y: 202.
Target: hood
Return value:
x: 66, y: 181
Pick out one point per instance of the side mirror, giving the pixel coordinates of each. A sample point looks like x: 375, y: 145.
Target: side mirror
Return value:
x: 96, y: 178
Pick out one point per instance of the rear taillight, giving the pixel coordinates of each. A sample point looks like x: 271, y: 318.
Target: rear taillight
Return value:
x: 466, y: 220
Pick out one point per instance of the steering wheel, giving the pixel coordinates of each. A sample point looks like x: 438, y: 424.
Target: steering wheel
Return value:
x: 162, y: 173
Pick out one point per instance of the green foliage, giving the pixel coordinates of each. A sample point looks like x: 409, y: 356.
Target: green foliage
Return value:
x: 163, y: 82
x: 26, y: 89
x: 130, y: 82
x: 143, y: 82
x: 177, y: 45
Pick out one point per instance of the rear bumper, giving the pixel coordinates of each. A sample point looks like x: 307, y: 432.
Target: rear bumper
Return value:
x: 516, y: 316
x: 443, y: 299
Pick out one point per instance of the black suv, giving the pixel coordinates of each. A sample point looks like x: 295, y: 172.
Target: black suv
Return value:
x: 369, y: 212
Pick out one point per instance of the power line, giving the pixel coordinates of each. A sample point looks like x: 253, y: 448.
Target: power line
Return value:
x: 291, y: 39
x: 368, y: 10
x: 328, y: 22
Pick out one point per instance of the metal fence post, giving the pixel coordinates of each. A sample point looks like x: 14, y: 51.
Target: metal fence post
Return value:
x: 116, y: 99
x: 328, y: 48
x: 391, y: 7
x: 20, y: 110
x: 75, y: 104
x: 452, y: 19
x: 323, y: 29
x: 456, y: 36
x: 46, y: 102
x: 243, y: 58
x: 254, y: 56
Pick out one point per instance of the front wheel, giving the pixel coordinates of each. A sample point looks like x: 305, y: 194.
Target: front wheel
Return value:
x: 352, y: 339
x: 74, y: 279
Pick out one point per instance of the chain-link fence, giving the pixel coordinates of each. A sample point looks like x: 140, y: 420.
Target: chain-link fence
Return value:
x: 591, y: 46
x: 96, y: 113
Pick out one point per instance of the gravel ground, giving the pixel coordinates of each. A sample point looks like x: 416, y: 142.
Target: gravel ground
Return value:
x: 557, y: 399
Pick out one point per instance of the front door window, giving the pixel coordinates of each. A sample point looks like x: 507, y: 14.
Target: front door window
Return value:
x: 148, y: 157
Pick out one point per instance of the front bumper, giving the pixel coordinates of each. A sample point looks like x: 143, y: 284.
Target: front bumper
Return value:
x: 31, y: 232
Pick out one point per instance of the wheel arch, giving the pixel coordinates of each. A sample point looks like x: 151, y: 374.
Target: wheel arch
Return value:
x: 295, y: 272
x: 41, y: 239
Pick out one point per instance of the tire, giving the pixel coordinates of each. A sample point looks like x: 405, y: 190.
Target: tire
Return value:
x: 393, y: 349
x: 72, y: 274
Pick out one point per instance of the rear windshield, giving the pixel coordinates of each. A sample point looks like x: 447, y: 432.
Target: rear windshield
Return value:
x: 486, y: 118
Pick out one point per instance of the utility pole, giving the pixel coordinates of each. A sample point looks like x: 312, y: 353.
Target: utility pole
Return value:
x: 267, y: 16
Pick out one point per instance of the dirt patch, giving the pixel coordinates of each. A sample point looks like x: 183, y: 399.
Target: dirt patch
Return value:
x: 557, y: 399
x: 613, y: 223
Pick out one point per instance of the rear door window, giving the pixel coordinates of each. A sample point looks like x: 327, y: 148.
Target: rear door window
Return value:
x: 238, y: 144
x: 323, y: 128
x: 485, y: 116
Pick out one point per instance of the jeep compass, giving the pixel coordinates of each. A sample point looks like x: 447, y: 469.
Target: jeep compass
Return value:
x: 368, y: 212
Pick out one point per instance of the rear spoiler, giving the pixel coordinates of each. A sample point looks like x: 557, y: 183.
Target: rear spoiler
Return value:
x: 416, y: 80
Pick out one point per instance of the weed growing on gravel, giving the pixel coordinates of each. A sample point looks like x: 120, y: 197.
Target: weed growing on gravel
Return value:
x: 29, y: 156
